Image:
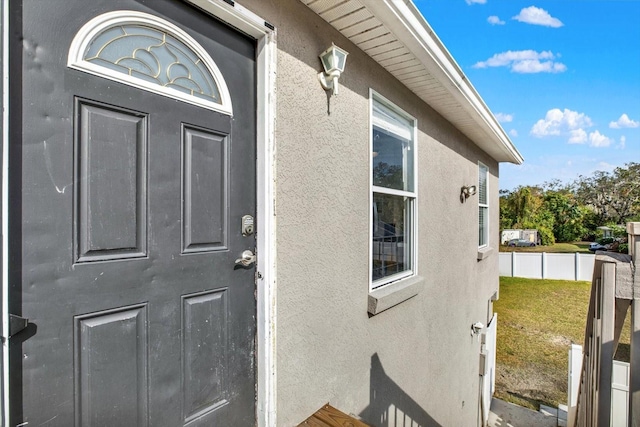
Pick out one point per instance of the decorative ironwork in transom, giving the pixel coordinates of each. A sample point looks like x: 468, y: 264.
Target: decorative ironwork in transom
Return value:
x: 148, y: 52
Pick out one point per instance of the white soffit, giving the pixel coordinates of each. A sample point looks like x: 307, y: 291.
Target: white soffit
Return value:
x: 396, y: 35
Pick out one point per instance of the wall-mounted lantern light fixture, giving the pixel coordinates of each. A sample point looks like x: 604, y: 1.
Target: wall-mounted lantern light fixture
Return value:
x: 476, y: 328
x: 466, y: 192
x: 333, y: 60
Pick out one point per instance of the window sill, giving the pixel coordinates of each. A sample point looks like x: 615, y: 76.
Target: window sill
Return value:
x: 393, y: 294
x: 484, y: 252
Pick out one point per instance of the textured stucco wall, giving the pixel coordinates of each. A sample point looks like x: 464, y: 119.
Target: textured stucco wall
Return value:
x: 415, y: 360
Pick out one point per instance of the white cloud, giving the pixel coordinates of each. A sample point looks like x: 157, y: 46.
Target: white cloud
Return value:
x: 578, y: 136
x: 623, y: 142
x: 534, y: 66
x: 605, y: 167
x: 596, y: 139
x: 536, y: 16
x: 494, y: 20
x: 558, y: 122
x: 525, y: 61
x: 504, y: 118
x: 624, y: 122
x: 476, y: 1
x: 507, y: 58
x: 513, y: 133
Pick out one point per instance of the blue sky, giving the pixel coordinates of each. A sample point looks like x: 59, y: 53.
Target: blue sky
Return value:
x: 562, y: 76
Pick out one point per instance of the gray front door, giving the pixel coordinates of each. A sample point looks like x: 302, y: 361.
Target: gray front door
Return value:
x: 125, y: 217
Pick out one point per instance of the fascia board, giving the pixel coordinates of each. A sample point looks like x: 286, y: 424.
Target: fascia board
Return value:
x: 409, y: 26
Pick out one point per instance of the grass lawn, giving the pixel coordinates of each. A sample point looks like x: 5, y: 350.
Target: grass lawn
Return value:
x: 537, y: 322
x: 555, y: 248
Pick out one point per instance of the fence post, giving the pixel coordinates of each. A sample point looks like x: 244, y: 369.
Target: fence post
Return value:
x: 607, y: 321
x: 573, y: 387
x: 634, y: 364
x: 513, y: 264
x: 543, y: 262
x: 577, y: 266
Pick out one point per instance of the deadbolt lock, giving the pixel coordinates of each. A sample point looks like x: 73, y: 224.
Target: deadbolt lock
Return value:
x: 247, y: 225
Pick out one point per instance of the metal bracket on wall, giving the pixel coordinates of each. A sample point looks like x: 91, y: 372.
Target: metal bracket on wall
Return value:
x: 16, y: 325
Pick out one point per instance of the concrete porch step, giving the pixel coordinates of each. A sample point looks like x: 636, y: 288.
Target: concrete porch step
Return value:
x: 505, y: 414
x: 560, y: 413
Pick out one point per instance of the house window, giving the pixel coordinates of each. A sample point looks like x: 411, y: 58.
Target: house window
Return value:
x: 393, y: 193
x: 483, y: 206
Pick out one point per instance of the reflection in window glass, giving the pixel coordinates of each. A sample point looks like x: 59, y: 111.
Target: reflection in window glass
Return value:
x: 392, y: 166
x: 482, y: 226
x: 391, y: 242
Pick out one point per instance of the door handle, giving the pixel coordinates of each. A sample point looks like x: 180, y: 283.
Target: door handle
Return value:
x: 248, y: 258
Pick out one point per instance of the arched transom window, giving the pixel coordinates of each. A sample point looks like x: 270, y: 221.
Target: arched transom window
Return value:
x: 148, y: 52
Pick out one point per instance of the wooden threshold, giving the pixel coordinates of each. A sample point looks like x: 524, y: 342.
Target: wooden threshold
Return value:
x: 328, y: 416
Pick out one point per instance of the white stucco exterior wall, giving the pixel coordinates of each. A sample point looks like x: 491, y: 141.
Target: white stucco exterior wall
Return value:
x: 416, y: 360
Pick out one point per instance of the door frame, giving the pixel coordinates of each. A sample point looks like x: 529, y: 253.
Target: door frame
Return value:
x: 266, y: 59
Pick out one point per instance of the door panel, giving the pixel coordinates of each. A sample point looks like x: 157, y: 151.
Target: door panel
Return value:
x: 205, y: 344
x: 111, y: 373
x: 125, y: 216
x: 205, y: 188
x: 111, y: 183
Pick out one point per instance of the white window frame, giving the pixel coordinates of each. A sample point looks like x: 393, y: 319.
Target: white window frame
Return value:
x: 412, y: 210
x: 485, y: 206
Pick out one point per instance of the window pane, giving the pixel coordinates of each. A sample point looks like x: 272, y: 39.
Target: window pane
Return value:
x: 387, y: 119
x: 391, y: 238
x: 392, y: 161
x: 483, y: 225
x: 155, y: 56
x: 482, y: 184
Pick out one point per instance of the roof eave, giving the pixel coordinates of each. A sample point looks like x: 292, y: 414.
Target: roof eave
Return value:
x: 396, y: 35
x: 411, y: 28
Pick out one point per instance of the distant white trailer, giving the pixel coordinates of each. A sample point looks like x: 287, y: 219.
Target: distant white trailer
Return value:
x: 509, y: 235
x: 530, y: 235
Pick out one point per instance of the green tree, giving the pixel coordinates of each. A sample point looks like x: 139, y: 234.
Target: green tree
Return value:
x: 589, y: 223
x: 613, y: 196
x: 567, y: 215
x: 524, y: 208
x: 568, y: 212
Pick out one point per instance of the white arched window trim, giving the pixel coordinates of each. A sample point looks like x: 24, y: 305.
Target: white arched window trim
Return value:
x: 123, y: 17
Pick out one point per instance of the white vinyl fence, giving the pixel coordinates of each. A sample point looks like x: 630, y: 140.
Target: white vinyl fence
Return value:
x: 542, y: 265
x: 620, y: 394
x: 619, y: 388
x: 488, y: 365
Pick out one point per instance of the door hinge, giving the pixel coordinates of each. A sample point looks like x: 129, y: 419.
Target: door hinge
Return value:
x: 16, y: 324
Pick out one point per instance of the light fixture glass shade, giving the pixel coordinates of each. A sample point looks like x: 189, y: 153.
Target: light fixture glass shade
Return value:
x: 333, y: 59
x: 466, y: 192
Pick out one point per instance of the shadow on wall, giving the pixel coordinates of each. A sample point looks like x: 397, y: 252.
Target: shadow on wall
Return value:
x: 389, y: 405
